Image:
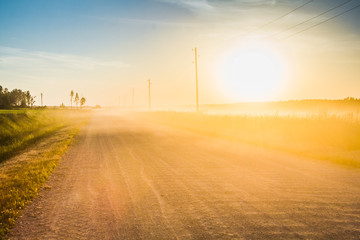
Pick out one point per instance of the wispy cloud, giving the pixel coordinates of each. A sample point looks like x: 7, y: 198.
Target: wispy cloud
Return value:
x: 236, y: 12
x: 16, y: 57
x: 214, y: 13
x: 139, y: 21
x: 218, y: 5
x: 192, y: 5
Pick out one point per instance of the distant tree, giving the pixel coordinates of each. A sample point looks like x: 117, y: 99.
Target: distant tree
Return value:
x: 71, y: 97
x: 76, y: 100
x: 15, y: 98
x: 28, y: 98
x: 32, y: 101
x: 82, y: 101
x: 5, y: 98
x: 23, y: 103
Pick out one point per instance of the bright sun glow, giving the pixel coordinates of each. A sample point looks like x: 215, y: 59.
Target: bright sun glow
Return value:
x: 252, y: 73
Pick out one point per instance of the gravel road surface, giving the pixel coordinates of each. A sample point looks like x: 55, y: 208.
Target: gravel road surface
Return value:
x: 129, y: 179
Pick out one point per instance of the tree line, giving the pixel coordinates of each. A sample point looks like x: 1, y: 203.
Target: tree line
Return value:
x: 22, y: 99
x: 76, y: 99
x: 15, y: 98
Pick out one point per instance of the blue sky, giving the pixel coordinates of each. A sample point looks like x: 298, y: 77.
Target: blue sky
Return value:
x: 105, y: 48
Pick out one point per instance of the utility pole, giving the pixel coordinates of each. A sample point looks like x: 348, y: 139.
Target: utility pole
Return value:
x: 149, y: 95
x: 41, y: 99
x: 197, y: 90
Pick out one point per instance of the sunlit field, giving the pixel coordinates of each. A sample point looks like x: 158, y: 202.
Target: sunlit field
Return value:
x: 322, y: 129
x: 335, y: 139
x: 348, y: 108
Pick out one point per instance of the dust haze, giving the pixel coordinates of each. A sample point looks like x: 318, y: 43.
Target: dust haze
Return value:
x: 156, y: 176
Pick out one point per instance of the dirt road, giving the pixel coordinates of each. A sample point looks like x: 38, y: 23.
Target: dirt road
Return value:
x: 125, y: 179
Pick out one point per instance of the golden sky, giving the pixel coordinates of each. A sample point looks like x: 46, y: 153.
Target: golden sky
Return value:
x: 105, y: 49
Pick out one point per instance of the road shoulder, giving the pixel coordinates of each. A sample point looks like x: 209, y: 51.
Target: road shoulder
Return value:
x: 22, y: 176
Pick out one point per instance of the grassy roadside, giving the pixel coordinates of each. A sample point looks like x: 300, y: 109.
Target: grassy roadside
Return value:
x: 20, y: 128
x: 22, y: 176
x: 333, y: 139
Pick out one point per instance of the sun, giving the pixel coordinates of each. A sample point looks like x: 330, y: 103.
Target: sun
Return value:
x: 252, y: 73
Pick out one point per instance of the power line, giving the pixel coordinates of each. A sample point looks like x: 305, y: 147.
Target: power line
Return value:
x: 278, y: 18
x: 308, y: 20
x: 315, y: 25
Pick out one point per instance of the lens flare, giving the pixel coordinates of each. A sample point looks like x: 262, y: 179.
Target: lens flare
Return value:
x: 252, y: 73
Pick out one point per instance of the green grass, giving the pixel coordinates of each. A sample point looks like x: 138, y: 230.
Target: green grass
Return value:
x: 20, y: 180
x: 334, y: 139
x: 19, y: 128
x: 7, y: 111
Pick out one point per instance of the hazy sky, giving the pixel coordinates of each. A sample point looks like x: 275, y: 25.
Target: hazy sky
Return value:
x: 102, y: 49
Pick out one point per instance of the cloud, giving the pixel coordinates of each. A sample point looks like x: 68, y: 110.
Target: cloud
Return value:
x: 234, y: 11
x: 16, y: 57
x: 213, y: 5
x: 214, y: 13
x: 139, y: 21
x: 192, y: 5
x: 218, y: 5
x: 243, y: 3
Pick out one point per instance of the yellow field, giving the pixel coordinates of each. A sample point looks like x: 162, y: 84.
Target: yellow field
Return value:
x: 336, y: 139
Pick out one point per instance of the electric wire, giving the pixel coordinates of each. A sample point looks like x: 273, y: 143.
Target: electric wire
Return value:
x: 278, y: 18
x: 322, y: 22
x: 308, y: 20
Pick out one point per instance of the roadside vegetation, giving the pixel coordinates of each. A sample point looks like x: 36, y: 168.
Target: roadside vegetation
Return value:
x: 15, y: 98
x: 331, y: 138
x: 22, y: 176
x: 19, y: 128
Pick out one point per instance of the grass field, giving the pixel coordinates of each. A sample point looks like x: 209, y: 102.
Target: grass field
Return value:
x: 23, y: 175
x: 335, y: 139
x: 19, y: 128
